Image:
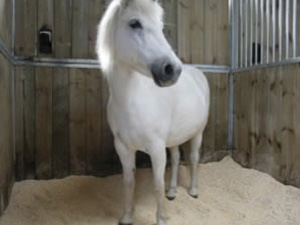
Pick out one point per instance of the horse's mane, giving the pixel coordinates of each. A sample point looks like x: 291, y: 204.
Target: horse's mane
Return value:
x: 106, y: 29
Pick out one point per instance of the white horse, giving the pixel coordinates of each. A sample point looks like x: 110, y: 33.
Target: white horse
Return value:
x: 137, y: 61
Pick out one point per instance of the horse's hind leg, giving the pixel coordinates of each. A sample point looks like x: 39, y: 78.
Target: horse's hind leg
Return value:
x: 194, y: 160
x: 175, y: 157
x: 127, y: 158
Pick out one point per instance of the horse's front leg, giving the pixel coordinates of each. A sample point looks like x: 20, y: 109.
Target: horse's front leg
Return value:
x: 158, y: 159
x: 175, y: 157
x: 127, y: 158
x: 194, y: 159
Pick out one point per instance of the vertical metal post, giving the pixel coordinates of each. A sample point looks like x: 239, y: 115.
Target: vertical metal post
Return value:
x: 13, y: 83
x: 233, y: 54
x: 256, y: 32
x: 280, y: 29
x: 287, y: 30
x: 262, y: 42
x: 274, y: 30
x: 246, y: 33
x: 251, y: 32
x: 295, y: 28
x: 268, y: 30
x: 241, y: 33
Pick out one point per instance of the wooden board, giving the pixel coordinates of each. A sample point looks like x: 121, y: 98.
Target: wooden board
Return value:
x: 5, y: 23
x: 266, y: 132
x: 43, y: 122
x: 26, y: 28
x: 6, y: 131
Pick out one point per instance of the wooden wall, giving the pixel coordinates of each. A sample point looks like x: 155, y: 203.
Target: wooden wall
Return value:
x: 6, y: 124
x: 197, y: 29
x: 267, y: 114
x: 62, y: 126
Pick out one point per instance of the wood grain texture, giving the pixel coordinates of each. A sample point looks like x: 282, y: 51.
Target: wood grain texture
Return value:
x: 43, y: 122
x: 78, y: 121
x: 60, y: 123
x: 6, y: 131
x: 5, y: 22
x: 170, y: 19
x: 26, y: 28
x: 266, y: 131
x: 80, y: 29
x: 62, y: 28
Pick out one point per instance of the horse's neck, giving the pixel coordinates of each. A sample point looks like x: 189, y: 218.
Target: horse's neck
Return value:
x: 122, y: 83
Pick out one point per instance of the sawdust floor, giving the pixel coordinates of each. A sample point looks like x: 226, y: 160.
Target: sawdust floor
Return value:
x: 228, y: 194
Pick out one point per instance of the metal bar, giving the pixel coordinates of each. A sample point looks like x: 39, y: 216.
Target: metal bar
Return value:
x: 295, y: 28
x: 251, y: 32
x: 13, y: 27
x: 268, y: 30
x: 274, y: 30
x: 256, y: 32
x: 287, y: 29
x: 241, y: 33
x: 234, y: 34
x: 270, y: 65
x: 230, y: 113
x: 280, y: 29
x: 262, y: 31
x: 246, y: 33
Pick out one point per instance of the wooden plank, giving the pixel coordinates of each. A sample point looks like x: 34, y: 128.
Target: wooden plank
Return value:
x: 210, y: 32
x: 288, y: 123
x: 6, y: 153
x: 184, y: 43
x: 5, y: 23
x: 77, y: 101
x: 93, y: 116
x: 221, y: 112
x: 29, y: 121
x: 222, y: 33
x: 62, y: 28
x: 19, y: 123
x: 170, y: 19
x: 96, y: 9
x: 46, y: 18
x: 26, y: 27
x: 60, y: 123
x: 80, y: 29
x: 43, y: 125
x: 197, y: 32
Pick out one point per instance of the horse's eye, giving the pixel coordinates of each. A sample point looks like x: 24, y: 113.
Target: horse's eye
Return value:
x: 135, y: 24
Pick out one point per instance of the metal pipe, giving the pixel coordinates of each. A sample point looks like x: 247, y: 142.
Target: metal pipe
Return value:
x: 295, y: 28
x: 246, y: 33
x: 270, y: 65
x: 274, y: 30
x: 268, y: 30
x: 230, y: 141
x: 280, y: 29
x: 251, y: 32
x: 241, y: 33
x: 262, y: 31
x: 287, y: 28
x: 13, y: 26
x: 256, y: 32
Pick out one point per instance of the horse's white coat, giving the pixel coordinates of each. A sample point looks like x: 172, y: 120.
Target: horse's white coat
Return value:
x: 142, y: 115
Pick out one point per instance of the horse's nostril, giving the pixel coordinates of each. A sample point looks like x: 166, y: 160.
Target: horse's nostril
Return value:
x: 169, y: 69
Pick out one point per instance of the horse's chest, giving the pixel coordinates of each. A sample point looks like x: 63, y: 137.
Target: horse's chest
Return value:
x: 137, y: 124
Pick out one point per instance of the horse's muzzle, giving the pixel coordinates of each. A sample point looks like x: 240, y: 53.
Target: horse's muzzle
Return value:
x: 166, y: 73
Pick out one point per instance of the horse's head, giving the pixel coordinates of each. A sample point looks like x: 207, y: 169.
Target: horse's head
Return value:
x: 131, y: 34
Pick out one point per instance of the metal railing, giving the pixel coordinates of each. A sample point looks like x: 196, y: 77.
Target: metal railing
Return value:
x: 265, y: 33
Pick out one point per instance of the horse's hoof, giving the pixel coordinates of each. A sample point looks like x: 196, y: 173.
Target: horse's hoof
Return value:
x: 194, y: 196
x: 170, y: 198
